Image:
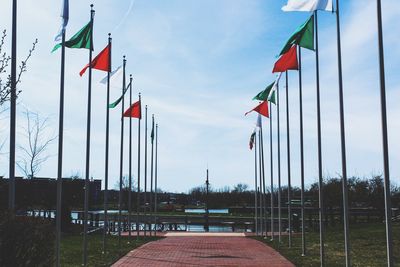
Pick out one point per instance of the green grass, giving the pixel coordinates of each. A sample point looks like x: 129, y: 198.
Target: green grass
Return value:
x: 367, y: 242
x: 71, y: 249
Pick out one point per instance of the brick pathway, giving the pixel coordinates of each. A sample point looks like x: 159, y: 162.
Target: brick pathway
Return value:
x: 204, y: 251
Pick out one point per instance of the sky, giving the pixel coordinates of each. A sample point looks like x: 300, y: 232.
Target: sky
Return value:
x: 197, y: 65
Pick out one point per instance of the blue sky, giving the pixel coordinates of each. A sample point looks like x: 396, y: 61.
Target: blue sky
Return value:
x: 198, y: 64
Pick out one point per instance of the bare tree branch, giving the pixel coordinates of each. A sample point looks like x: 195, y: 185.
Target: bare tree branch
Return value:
x: 38, y: 140
x: 5, y: 83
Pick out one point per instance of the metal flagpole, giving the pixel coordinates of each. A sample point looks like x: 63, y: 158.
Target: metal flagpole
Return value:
x: 303, y: 237
x: 87, y: 170
x: 272, y: 171
x: 155, y: 177
x: 255, y: 186
x: 388, y: 205
x: 260, y: 179
x: 138, y: 175
x: 320, y: 178
x: 60, y: 151
x: 263, y: 180
x: 279, y: 169
x: 288, y: 162
x: 130, y: 162
x: 343, y: 144
x: 105, y: 230
x: 145, y: 169
x: 152, y: 168
x: 121, y: 159
x: 13, y: 110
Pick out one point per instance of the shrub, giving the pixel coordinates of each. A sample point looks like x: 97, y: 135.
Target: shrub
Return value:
x: 26, y: 241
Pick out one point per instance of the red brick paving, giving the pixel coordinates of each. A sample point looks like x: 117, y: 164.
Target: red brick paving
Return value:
x: 204, y: 251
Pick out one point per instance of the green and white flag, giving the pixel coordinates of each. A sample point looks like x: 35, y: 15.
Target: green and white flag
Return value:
x: 80, y: 40
x: 266, y: 93
x: 308, y: 5
x: 303, y: 37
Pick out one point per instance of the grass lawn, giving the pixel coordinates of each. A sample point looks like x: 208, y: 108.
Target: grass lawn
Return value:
x: 71, y: 249
x: 367, y: 242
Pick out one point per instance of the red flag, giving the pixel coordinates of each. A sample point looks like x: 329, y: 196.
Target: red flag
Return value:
x: 287, y: 61
x: 134, y: 111
x: 262, y: 109
x: 100, y: 62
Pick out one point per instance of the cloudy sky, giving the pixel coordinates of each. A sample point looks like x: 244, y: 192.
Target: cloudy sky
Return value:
x: 198, y: 64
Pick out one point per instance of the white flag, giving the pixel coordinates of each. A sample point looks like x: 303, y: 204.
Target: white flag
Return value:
x: 308, y: 5
x: 64, y: 19
x: 275, y: 86
x: 258, y: 123
x: 115, y: 75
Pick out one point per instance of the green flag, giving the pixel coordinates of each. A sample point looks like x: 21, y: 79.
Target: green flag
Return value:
x: 116, y: 102
x: 152, y: 132
x: 263, y: 95
x: 303, y: 36
x: 80, y: 40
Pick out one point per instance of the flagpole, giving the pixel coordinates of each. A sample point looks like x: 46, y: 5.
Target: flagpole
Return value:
x: 288, y: 161
x: 121, y: 162
x: 343, y: 143
x: 155, y: 177
x: 87, y: 170
x: 260, y: 177
x: 388, y: 204
x: 272, y: 172
x: 263, y: 177
x: 106, y: 152
x: 320, y: 178
x: 255, y: 186
x: 279, y: 169
x: 303, y: 237
x: 13, y: 110
x: 145, y: 168
x: 60, y: 151
x: 130, y: 161
x: 138, y: 176
x: 151, y: 169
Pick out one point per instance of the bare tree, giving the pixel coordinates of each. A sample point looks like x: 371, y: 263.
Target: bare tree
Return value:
x: 5, y: 79
x: 38, y: 140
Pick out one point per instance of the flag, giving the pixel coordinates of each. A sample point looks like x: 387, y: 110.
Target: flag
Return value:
x: 272, y: 98
x: 261, y: 109
x: 252, y: 139
x: 287, y: 61
x: 116, y: 102
x: 258, y: 123
x: 152, y: 131
x: 100, y: 62
x: 264, y: 95
x: 115, y: 75
x: 64, y: 20
x: 134, y: 111
x: 81, y: 39
x: 308, y: 5
x: 303, y: 36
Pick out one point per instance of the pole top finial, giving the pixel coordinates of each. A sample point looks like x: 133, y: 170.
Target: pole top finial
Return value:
x: 145, y: 106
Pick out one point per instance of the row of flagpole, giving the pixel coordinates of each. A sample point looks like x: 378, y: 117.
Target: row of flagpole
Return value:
x: 290, y: 59
x: 84, y: 39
